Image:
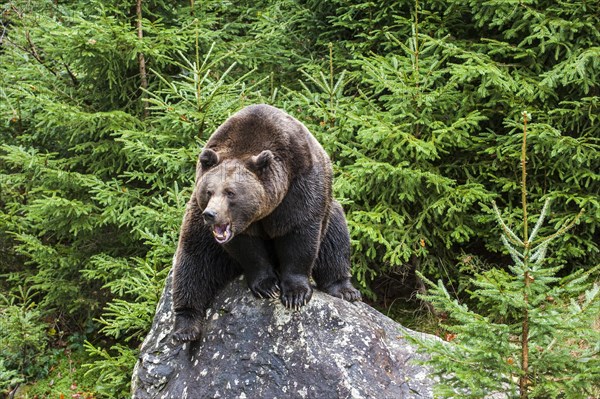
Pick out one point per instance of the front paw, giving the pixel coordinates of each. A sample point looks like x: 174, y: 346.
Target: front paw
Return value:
x: 351, y: 294
x: 266, y: 287
x: 343, y: 289
x: 296, y: 292
x: 187, y: 328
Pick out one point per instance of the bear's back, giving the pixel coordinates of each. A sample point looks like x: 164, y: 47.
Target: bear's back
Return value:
x: 261, y: 127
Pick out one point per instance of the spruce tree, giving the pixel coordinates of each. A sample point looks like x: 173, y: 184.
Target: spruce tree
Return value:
x: 96, y: 165
x: 532, y: 334
x: 416, y: 105
x: 415, y: 101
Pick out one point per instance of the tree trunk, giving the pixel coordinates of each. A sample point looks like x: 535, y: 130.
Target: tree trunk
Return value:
x: 141, y: 59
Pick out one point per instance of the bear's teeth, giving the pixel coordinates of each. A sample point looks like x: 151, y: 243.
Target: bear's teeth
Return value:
x: 221, y: 232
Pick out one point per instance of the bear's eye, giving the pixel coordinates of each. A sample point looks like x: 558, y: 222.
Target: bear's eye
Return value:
x: 209, y: 193
x: 229, y: 194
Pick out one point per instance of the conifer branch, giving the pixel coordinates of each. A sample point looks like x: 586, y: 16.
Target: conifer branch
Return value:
x: 540, y: 221
x: 34, y: 53
x: 562, y: 230
x: 32, y: 50
x: 74, y: 79
x: 516, y: 256
x: 508, y: 232
x: 539, y: 254
x: 3, y: 33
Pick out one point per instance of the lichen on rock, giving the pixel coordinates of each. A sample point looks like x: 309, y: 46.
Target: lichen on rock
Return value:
x: 253, y: 348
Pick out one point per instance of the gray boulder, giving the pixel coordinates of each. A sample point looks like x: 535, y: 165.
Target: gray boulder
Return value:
x: 254, y: 348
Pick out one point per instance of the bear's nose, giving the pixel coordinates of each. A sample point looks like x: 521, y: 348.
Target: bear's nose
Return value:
x: 209, y: 215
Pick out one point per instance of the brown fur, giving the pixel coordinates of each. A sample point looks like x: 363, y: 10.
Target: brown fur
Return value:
x: 263, y: 189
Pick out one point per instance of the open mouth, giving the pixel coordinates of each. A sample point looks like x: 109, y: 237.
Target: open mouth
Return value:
x: 222, y: 232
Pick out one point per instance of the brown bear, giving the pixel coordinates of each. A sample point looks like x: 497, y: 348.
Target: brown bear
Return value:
x: 262, y: 206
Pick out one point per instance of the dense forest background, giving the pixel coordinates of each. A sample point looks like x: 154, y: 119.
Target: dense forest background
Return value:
x: 105, y: 105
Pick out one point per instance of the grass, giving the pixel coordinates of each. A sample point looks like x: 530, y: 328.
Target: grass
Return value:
x: 66, y: 379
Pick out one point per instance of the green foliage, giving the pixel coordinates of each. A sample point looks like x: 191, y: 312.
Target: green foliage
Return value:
x: 112, y: 370
x: 415, y: 102
x: 91, y: 201
x: 485, y: 351
x: 418, y: 114
x: 533, y: 335
x: 66, y: 377
x: 9, y: 377
x: 23, y: 339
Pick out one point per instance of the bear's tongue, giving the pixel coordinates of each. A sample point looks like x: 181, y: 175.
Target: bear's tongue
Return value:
x: 221, y: 232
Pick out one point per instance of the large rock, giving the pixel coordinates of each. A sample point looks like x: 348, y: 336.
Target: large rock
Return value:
x: 256, y: 348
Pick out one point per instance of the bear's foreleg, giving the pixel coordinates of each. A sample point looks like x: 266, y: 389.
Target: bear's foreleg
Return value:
x: 252, y: 254
x: 201, y: 269
x: 332, y: 268
x: 296, y: 252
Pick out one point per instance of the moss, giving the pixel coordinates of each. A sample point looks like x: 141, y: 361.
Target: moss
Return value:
x: 66, y: 378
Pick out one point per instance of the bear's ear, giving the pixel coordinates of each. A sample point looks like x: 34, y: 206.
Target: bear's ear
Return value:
x: 208, y: 158
x: 261, y: 161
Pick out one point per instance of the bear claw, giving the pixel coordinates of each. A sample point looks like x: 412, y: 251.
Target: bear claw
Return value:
x: 351, y: 295
x: 344, y: 290
x: 265, y: 288
x: 188, y: 334
x: 296, y: 298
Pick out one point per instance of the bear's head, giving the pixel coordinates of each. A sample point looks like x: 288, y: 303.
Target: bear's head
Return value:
x: 230, y: 192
